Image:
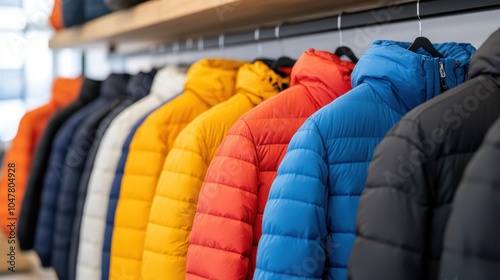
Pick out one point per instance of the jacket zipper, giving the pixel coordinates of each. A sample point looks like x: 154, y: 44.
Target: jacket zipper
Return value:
x: 442, y: 77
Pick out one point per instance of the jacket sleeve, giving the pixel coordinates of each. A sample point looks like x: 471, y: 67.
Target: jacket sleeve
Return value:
x: 174, y: 207
x: 472, y: 228
x: 20, y: 153
x: 292, y: 245
x: 392, y: 221
x: 221, y: 238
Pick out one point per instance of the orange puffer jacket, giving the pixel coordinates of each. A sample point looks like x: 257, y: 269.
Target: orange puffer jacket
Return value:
x: 228, y: 223
x: 56, y: 16
x: 23, y: 146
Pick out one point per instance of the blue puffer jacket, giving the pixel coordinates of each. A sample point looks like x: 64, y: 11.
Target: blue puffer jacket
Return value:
x: 54, y: 174
x: 308, y: 227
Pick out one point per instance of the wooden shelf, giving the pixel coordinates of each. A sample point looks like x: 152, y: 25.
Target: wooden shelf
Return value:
x: 171, y: 20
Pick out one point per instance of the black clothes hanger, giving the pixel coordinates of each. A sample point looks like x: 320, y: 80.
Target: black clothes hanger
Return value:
x: 267, y: 61
x: 282, y: 62
x: 343, y: 50
x: 424, y: 43
x: 346, y: 51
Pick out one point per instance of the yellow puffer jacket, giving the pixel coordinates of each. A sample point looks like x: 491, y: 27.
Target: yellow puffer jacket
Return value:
x: 174, y: 204
x: 208, y: 82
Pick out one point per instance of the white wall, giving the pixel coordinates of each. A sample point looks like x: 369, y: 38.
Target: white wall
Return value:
x: 473, y: 28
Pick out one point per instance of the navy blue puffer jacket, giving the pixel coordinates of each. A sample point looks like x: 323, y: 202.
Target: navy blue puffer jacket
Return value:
x: 54, y: 174
x: 308, y: 227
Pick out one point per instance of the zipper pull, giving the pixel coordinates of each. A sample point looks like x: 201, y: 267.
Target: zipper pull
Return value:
x: 442, y: 77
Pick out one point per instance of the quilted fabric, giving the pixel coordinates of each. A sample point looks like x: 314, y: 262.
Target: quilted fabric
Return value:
x: 415, y: 172
x: 54, y: 174
x: 227, y: 224
x: 22, y: 149
x: 167, y: 83
x: 472, y: 230
x: 308, y: 227
x: 81, y: 154
x: 471, y: 249
x: 209, y: 82
x: 174, y: 204
x: 138, y: 87
x: 28, y: 217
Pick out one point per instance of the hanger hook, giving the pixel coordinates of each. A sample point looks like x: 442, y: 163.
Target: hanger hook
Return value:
x: 176, y: 47
x: 221, y: 44
x: 419, y: 19
x: 189, y: 43
x: 339, y: 28
x: 277, y: 34
x: 256, y: 36
x: 201, y: 44
x: 277, y: 31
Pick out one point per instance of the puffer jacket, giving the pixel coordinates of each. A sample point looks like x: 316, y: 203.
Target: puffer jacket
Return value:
x: 237, y: 182
x: 167, y: 83
x: 209, y: 82
x: 29, y: 213
x: 94, y: 9
x: 54, y: 174
x: 308, y: 227
x: 414, y: 174
x: 116, y: 5
x: 138, y: 87
x: 113, y: 201
x: 174, y: 204
x: 55, y: 18
x: 471, y: 248
x: 22, y: 150
x: 79, y: 155
x: 73, y: 12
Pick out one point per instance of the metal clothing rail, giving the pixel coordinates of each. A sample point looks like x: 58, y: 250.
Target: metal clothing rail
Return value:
x: 393, y: 12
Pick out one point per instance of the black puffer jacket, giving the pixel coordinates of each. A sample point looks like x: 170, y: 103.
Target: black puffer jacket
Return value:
x: 28, y: 217
x: 414, y: 173
x: 471, y: 247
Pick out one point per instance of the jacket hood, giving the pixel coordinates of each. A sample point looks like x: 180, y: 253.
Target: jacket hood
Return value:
x: 139, y: 85
x: 115, y: 86
x: 404, y: 79
x: 65, y: 90
x: 324, y: 71
x: 168, y: 82
x: 487, y: 58
x: 259, y: 82
x: 213, y: 80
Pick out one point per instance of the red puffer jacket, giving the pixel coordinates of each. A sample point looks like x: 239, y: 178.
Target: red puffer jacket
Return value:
x: 228, y: 223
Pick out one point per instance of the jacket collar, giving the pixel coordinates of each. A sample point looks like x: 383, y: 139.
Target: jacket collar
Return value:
x: 65, y: 90
x: 139, y: 85
x: 404, y: 79
x: 168, y: 83
x: 258, y: 82
x: 212, y: 80
x: 324, y: 75
x: 487, y: 59
x: 115, y: 86
x: 90, y: 90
